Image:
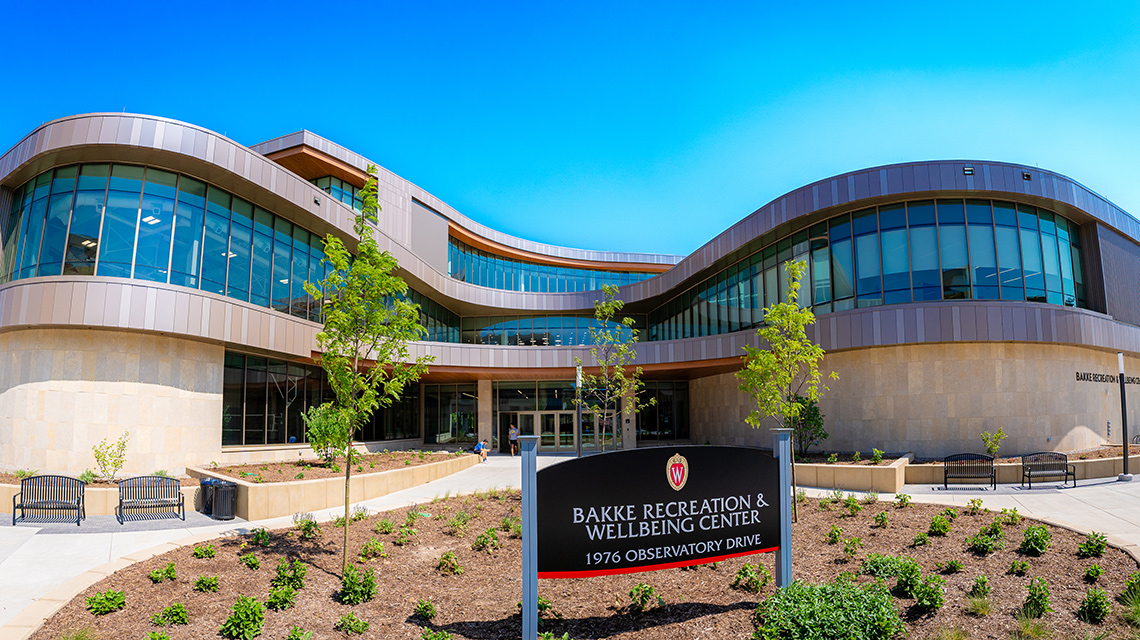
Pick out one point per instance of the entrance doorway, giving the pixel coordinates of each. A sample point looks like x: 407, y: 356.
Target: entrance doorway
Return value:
x: 555, y: 430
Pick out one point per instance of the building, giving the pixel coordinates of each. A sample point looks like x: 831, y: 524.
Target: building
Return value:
x: 150, y: 281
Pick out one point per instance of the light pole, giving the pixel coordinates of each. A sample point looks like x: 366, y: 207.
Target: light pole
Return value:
x: 1126, y: 476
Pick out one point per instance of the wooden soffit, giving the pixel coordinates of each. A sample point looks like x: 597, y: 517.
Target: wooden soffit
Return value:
x: 311, y: 164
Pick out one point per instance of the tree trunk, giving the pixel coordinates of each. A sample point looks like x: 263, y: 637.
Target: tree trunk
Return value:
x: 347, y: 477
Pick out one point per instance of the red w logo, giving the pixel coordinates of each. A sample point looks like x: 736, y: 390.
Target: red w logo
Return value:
x: 677, y: 474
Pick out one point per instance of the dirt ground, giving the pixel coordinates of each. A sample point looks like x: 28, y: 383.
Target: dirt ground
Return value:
x: 317, y: 469
x: 481, y: 603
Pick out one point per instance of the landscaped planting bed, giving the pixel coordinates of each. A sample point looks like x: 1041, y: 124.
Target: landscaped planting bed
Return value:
x: 319, y: 469
x: 700, y: 602
x: 99, y: 483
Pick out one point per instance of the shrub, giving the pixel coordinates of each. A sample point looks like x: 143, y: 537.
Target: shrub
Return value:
x: 988, y: 539
x: 902, y: 500
x: 372, y: 549
x: 449, y: 563
x: 832, y: 458
x: 357, y: 586
x: 516, y: 530
x: 950, y: 566
x: 1095, y: 607
x: 1131, y: 591
x: 751, y: 578
x: 1036, y: 540
x: 349, y: 624
x: 921, y: 539
x: 974, y: 507
x: 487, y: 541
x: 856, y: 456
x: 929, y: 595
x: 880, y: 566
x: 157, y: 635
x: 801, y: 496
x: 410, y: 519
x: 204, y: 551
x: 250, y: 560
x: 106, y: 602
x: 307, y: 525
x: 1028, y: 628
x: 835, y: 535
x: 385, y: 526
x: 1037, y: 602
x: 980, y: 588
x: 1093, y: 572
x: 992, y: 441
x: 166, y: 573
x: 1018, y: 568
x: 109, y: 458
x: 840, y: 609
x: 260, y: 537
x: 950, y: 513
x: 939, y: 526
x: 851, y: 547
x: 281, y: 598
x: 909, y: 577
x: 425, y: 610
x: 506, y: 523
x: 871, y: 497
x: 289, y: 574
x: 206, y: 584
x: 851, y: 503
x: 88, y: 476
x: 245, y: 620
x: 1093, y: 546
x: 359, y: 512
x: 876, y: 456
x: 643, y: 597
x: 881, y: 520
x: 170, y: 616
x: 1010, y: 517
x: 297, y: 633
x: 407, y: 537
x: 428, y: 634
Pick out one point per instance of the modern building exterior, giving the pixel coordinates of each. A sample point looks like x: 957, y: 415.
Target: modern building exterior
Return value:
x: 151, y: 281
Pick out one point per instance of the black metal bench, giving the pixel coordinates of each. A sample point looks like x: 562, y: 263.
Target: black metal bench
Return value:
x: 968, y: 465
x: 1045, y: 464
x: 155, y: 494
x: 40, y: 494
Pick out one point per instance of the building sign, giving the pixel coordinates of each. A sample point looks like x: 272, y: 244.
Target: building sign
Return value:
x: 1108, y: 378
x: 655, y: 508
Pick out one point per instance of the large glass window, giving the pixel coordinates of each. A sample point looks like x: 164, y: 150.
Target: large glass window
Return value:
x: 152, y: 261
x: 476, y: 266
x: 190, y: 213
x: 58, y: 217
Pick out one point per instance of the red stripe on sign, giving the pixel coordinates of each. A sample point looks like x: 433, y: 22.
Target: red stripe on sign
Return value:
x: 652, y: 567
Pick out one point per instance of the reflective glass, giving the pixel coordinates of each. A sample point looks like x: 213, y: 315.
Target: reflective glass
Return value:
x: 189, y: 218
x: 58, y: 217
x: 842, y: 269
x: 152, y: 261
x: 867, y: 264
x: 920, y: 213
x: 117, y: 245
x: 892, y: 217
x: 1032, y: 264
x: 33, y: 225
x: 215, y: 250
x: 86, y: 218
x: 282, y: 271
x: 983, y: 261
x: 262, y: 269
x: 955, y: 261
x: 1009, y: 262
x: 896, y: 266
x: 925, y: 271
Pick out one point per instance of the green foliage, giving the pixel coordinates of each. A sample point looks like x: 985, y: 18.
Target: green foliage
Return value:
x: 410, y: 519
x: 988, y: 539
x: 921, y: 539
x: 980, y: 588
x: 974, y: 507
x: 297, y: 633
x: 166, y: 573
x: 281, y: 598
x: 87, y: 477
x: 449, y: 563
x: 841, y: 609
x: 425, y: 610
x: 487, y: 541
x: 82, y: 633
x: 929, y: 595
x: 1036, y: 540
x: 506, y: 523
x: 851, y: 547
x: 978, y: 606
x: 856, y: 456
x: 516, y: 530
x: 909, y: 577
x: 307, y: 525
x: 832, y: 458
x: 1037, y: 601
x: 349, y: 624
x: 250, y: 560
x: 871, y: 497
x: 457, y: 524
x: 245, y: 621
x: 801, y: 496
x: 260, y: 537
x: 992, y: 441
x: 385, y: 526
x: 372, y: 549
x: 1029, y: 628
x: 1018, y: 568
x: 643, y: 597
x: 1010, y: 517
x: 950, y: 566
x: 876, y: 456
x: 357, y: 586
x: 290, y: 574
x: 157, y: 635
x: 106, y: 602
x: 851, y: 503
x: 1093, y: 572
x: 549, y: 635
x: 428, y: 634
x: 204, y: 551
x: 206, y: 584
x: 902, y: 500
x: 407, y: 536
x: 834, y: 535
x: 881, y: 519
x: 170, y: 616
x: 950, y: 513
x: 751, y: 578
x: 110, y: 458
x: 1095, y: 607
x: 1131, y: 593
x: 939, y: 526
x: 952, y: 633
x: 880, y: 566
x: 1093, y: 546
x: 359, y: 512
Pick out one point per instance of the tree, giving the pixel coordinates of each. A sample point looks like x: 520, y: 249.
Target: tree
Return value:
x: 783, y: 380
x: 368, y: 323
x: 612, y: 353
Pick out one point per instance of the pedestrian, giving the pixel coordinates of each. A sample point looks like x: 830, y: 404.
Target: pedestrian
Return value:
x: 481, y: 449
x: 513, y: 436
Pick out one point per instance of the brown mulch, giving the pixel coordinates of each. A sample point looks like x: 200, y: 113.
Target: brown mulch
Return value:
x: 319, y: 469
x: 10, y: 478
x: 840, y: 458
x: 481, y: 603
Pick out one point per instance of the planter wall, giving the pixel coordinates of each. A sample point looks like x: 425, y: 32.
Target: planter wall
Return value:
x: 274, y: 499
x: 99, y: 501
x: 883, y: 478
x: 1010, y: 472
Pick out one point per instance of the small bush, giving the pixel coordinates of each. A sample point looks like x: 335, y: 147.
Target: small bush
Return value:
x: 385, y: 526
x: 950, y: 513
x: 1095, y: 607
x: 1036, y: 540
x: 1029, y: 628
x: 289, y: 574
x: 24, y: 473
x: 297, y: 633
x: 170, y: 616
x: 357, y: 586
x: 988, y: 539
x: 1131, y: 591
x: 801, y: 496
x: 204, y: 551
x: 980, y: 588
x: 929, y: 595
x: 939, y: 526
x: 880, y: 566
x: 851, y: 503
x: 840, y: 609
x: 88, y: 476
x: 506, y: 523
x: 1093, y: 546
x: 349, y: 624
x: 834, y: 535
x: 250, y: 560
x: 851, y: 547
x: 407, y: 537
x: 921, y: 539
x: 1037, y: 601
x: 359, y: 512
x: 428, y: 634
x: 410, y: 519
x: 245, y: 620
x: 372, y: 549
x: 281, y: 598
x: 881, y: 520
x: 909, y: 577
x: 425, y: 610
x: 856, y: 456
x: 876, y: 456
x: 643, y: 597
x: 206, y: 584
x: 166, y: 573
x: 871, y: 497
x: 1018, y: 568
x: 449, y: 563
x: 158, y: 635
x: 950, y: 566
x: 307, y: 525
x: 1093, y: 572
x: 751, y: 578
x: 832, y: 458
x: 902, y: 500
x: 516, y: 530
x: 106, y: 602
x: 261, y: 537
x: 487, y: 541
x: 974, y: 507
x: 1010, y: 517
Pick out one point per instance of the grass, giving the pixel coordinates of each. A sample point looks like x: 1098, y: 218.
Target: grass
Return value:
x: 85, y: 633
x: 952, y: 633
x: 1029, y: 629
x: 979, y: 607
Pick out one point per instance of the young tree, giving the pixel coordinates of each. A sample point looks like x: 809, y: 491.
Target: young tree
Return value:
x: 612, y: 353
x: 368, y: 324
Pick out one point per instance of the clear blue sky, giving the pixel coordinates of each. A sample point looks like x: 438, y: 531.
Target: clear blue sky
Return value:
x: 640, y: 126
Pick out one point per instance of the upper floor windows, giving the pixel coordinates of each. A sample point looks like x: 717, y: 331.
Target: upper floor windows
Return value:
x: 485, y: 269
x: 340, y: 190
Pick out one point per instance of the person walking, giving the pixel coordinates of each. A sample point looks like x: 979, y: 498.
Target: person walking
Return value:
x: 513, y: 436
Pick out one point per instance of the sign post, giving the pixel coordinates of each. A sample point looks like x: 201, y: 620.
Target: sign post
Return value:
x: 782, y: 447
x: 1126, y: 476
x: 578, y: 411
x: 529, y: 445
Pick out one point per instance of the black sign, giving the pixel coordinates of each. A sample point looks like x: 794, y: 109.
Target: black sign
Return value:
x: 656, y: 508
x: 1084, y: 376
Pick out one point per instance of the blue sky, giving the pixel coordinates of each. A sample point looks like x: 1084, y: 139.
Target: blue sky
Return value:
x: 637, y: 126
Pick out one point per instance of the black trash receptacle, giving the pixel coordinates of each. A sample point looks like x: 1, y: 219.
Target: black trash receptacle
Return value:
x: 225, y: 500
x: 206, y: 487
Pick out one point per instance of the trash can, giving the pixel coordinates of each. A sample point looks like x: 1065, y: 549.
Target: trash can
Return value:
x: 225, y: 500
x: 206, y: 487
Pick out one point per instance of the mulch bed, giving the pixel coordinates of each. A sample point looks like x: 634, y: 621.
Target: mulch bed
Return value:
x: 840, y: 458
x: 319, y: 469
x: 481, y: 603
x: 10, y: 478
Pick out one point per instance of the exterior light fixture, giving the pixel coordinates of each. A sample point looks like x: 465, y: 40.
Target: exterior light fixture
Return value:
x: 968, y: 171
x: 1026, y: 176
x: 316, y: 199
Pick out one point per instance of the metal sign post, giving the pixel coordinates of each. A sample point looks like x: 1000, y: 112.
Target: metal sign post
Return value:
x: 782, y: 447
x: 1126, y: 476
x: 578, y: 411
x: 529, y: 445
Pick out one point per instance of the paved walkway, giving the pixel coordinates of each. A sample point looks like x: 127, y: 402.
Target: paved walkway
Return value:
x: 35, y: 559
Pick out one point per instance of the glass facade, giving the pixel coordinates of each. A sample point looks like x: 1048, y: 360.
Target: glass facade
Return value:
x: 537, y: 331
x: 263, y: 400
x: 927, y: 250
x: 668, y: 419
x: 485, y: 269
x: 450, y: 412
x: 340, y: 190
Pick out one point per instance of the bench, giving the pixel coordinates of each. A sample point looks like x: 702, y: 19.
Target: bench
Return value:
x: 49, y: 493
x: 1047, y: 463
x: 156, y: 494
x: 968, y: 465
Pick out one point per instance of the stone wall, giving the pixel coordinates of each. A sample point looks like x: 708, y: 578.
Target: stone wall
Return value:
x: 935, y: 399
x: 64, y: 390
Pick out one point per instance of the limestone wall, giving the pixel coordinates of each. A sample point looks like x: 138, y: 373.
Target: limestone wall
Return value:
x: 935, y: 399
x: 64, y: 390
